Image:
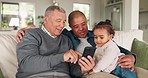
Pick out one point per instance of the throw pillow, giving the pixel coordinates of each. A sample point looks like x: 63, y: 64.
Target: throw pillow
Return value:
x: 140, y: 48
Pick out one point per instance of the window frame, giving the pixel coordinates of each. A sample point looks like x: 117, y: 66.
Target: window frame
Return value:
x: 2, y: 10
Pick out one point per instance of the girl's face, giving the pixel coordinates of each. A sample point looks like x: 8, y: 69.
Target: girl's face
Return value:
x: 101, y: 36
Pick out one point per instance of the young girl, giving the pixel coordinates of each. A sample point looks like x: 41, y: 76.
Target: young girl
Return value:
x: 107, y: 52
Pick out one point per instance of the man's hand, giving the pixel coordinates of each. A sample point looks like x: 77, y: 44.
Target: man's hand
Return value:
x: 71, y: 56
x: 20, y: 34
x: 127, y: 61
x: 86, y: 64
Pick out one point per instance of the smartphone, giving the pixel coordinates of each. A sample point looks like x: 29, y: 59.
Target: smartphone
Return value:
x: 89, y: 51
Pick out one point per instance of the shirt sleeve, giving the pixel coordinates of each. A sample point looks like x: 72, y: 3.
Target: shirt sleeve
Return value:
x: 29, y: 58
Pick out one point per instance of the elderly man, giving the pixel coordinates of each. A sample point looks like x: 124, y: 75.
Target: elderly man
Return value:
x: 45, y: 52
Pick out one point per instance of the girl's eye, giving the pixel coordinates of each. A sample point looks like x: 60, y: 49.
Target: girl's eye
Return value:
x: 95, y: 37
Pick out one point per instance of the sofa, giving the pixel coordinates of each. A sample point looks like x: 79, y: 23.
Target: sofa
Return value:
x: 8, y: 60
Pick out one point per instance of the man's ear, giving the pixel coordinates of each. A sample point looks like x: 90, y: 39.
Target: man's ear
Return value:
x: 45, y: 19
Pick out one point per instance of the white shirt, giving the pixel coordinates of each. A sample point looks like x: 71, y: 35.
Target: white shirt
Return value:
x: 83, y: 43
x: 45, y: 30
x: 106, y: 57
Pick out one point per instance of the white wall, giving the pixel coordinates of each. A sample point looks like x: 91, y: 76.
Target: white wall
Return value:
x: 41, y: 5
x: 130, y: 13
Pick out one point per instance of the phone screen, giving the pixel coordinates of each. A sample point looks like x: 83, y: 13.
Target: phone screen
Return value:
x: 89, y: 51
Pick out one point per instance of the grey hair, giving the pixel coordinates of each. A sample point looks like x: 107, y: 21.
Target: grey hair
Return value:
x: 52, y: 8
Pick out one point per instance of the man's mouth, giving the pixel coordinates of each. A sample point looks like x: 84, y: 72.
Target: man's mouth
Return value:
x: 82, y: 33
x: 59, y: 30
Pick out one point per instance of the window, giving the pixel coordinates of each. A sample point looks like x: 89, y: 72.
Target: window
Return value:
x: 21, y: 13
x: 9, y: 11
x: 83, y: 8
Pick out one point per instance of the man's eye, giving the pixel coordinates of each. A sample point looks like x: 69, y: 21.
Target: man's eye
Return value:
x: 75, y: 26
x: 58, y: 20
x: 64, y: 22
x: 101, y: 37
x: 83, y: 24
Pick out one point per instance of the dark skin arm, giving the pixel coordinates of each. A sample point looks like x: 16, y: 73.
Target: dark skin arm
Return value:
x: 127, y: 61
x: 20, y: 34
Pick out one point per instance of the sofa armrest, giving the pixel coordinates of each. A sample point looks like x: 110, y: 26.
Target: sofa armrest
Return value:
x: 141, y: 73
x: 8, y: 60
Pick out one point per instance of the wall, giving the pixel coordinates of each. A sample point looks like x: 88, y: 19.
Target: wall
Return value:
x: 143, y: 24
x: 40, y: 7
x: 130, y: 13
x: 102, y: 9
x: 143, y: 18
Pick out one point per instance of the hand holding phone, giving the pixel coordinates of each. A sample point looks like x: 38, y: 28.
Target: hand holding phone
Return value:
x: 89, y: 51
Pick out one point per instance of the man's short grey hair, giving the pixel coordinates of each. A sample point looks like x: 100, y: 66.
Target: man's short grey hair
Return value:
x: 52, y: 8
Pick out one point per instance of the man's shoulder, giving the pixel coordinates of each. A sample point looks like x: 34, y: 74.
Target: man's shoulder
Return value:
x: 33, y: 31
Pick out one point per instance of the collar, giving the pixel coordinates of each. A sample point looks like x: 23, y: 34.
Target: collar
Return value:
x: 45, y: 30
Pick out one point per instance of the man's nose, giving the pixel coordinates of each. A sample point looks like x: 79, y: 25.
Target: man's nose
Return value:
x: 80, y: 27
x: 62, y: 25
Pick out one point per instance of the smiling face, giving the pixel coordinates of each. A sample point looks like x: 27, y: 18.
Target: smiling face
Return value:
x: 55, y: 22
x: 101, y: 36
x: 79, y: 26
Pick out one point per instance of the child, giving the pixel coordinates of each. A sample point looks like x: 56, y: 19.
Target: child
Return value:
x: 107, y: 52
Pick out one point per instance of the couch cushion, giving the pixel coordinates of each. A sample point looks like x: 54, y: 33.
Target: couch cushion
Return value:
x: 8, y: 60
x: 140, y: 48
x: 101, y: 75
